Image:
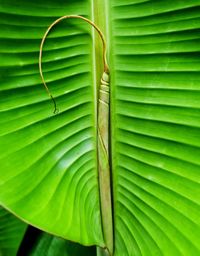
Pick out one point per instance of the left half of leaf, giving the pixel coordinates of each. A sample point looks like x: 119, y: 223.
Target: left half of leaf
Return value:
x: 48, y: 173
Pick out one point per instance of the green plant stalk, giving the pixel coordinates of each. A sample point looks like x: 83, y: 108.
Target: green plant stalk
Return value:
x: 99, y: 17
x: 102, y: 252
x: 103, y: 161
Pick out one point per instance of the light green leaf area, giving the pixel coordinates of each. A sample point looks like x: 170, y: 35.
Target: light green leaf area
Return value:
x: 11, y: 233
x: 53, y: 246
x: 156, y: 127
x: 48, y: 160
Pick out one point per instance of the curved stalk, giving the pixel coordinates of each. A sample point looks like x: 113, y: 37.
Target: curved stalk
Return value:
x: 106, y: 69
x: 103, y: 135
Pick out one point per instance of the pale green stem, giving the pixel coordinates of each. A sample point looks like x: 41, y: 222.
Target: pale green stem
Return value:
x: 102, y: 252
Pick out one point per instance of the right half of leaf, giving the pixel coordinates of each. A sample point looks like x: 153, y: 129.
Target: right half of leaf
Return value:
x: 156, y: 127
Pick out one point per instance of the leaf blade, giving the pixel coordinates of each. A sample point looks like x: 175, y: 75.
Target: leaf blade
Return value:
x: 155, y: 128
x: 56, y: 153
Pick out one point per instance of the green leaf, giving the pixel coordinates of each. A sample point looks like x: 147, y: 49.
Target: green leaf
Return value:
x: 49, y: 160
x: 155, y: 127
x: 11, y: 233
x: 48, y: 163
x: 53, y: 246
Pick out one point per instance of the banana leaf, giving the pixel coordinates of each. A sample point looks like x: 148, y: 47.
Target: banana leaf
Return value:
x: 49, y: 164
